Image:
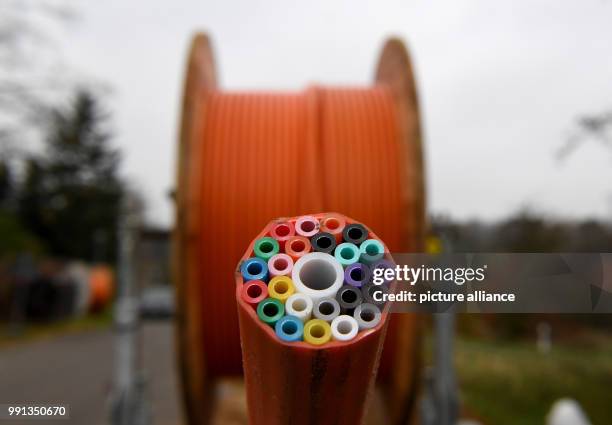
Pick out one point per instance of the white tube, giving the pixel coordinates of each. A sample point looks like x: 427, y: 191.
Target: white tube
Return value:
x: 344, y: 328
x: 300, y: 306
x: 367, y: 316
x: 318, y: 275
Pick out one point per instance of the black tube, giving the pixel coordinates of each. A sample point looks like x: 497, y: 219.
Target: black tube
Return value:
x: 348, y: 297
x: 323, y: 242
x: 355, y: 233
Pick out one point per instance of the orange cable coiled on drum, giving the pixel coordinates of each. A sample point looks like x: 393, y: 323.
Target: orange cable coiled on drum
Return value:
x: 255, y: 157
x: 247, y: 157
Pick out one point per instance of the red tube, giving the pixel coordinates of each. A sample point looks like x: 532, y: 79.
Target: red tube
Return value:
x: 253, y: 292
x: 282, y: 231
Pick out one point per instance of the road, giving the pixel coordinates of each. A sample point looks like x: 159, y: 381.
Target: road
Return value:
x: 76, y: 369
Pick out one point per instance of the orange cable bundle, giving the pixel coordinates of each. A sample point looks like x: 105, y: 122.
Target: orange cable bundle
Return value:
x: 314, y: 344
x: 246, y: 157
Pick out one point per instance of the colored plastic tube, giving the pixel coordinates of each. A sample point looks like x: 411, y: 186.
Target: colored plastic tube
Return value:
x: 344, y: 328
x: 317, y: 275
x: 323, y: 242
x: 349, y: 297
x: 254, y: 269
x: 307, y: 226
x: 280, y: 265
x: 282, y: 232
x: 265, y: 248
x: 382, y: 264
x: 347, y: 254
x: 355, y: 233
x: 333, y: 224
x: 317, y: 332
x: 253, y: 292
x: 357, y: 275
x: 280, y: 288
x: 326, y: 309
x: 367, y: 316
x: 368, y: 293
x: 270, y: 311
x: 300, y: 306
x: 289, y: 329
x: 297, y: 246
x: 371, y: 251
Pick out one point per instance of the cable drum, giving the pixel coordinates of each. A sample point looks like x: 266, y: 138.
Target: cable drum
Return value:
x: 245, y: 157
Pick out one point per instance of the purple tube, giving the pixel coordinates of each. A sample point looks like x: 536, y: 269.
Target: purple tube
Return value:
x: 382, y: 264
x: 357, y: 274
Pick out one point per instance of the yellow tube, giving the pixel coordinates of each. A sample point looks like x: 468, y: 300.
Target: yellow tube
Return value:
x: 317, y: 332
x: 281, y: 288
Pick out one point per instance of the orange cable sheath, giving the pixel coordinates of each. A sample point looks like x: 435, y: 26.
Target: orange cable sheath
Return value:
x: 268, y: 155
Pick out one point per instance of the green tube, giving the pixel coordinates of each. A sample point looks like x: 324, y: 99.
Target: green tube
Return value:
x: 270, y: 311
x: 266, y: 248
x: 347, y: 254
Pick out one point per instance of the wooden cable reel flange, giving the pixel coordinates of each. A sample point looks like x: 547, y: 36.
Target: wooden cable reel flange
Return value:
x: 204, y: 355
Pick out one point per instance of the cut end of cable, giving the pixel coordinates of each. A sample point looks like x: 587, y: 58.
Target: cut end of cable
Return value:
x: 344, y: 328
x: 270, y: 311
x: 312, y: 288
x: 300, y: 306
x: 326, y: 309
x: 281, y: 288
x: 368, y: 316
x: 253, y: 292
x: 317, y: 275
x: 317, y: 332
x: 307, y: 226
x: 289, y: 329
x: 280, y: 265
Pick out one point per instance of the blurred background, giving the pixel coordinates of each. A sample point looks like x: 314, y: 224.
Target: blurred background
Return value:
x: 518, y: 141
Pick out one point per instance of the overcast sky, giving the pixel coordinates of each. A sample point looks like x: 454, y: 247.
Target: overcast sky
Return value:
x: 500, y: 85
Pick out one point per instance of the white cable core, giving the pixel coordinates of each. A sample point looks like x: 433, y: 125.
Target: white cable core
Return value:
x: 318, y: 275
x: 344, y: 328
x: 300, y: 306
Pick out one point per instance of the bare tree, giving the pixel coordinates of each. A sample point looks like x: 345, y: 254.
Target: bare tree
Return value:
x: 595, y: 127
x: 31, y: 70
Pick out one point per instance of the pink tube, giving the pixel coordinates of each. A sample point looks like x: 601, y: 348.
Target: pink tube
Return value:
x: 280, y: 265
x: 307, y: 226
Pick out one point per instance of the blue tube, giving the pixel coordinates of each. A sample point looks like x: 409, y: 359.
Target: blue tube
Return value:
x: 289, y: 329
x: 254, y: 269
x: 371, y: 251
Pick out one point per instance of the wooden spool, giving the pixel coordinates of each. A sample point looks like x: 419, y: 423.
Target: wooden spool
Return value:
x: 399, y: 369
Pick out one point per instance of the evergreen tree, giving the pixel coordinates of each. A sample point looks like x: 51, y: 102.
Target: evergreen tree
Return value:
x: 71, y: 196
x: 6, y: 184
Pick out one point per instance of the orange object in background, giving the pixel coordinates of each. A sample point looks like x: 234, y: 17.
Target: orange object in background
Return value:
x: 245, y: 157
x: 101, y: 287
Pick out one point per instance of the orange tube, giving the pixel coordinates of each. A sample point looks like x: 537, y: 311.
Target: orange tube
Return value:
x: 297, y: 246
x: 334, y: 224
